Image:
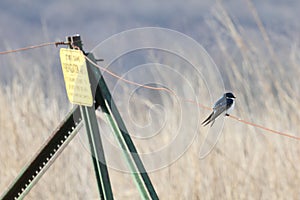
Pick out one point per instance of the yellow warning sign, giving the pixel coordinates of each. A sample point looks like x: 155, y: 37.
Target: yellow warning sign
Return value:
x: 76, y: 77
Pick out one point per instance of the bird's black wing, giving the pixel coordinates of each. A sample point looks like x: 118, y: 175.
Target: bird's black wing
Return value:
x: 219, y: 107
x: 207, y: 120
x: 222, y: 107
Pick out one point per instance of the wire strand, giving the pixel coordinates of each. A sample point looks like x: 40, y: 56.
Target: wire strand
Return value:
x: 126, y: 80
x: 151, y: 87
x: 249, y: 123
x: 264, y: 128
x: 192, y: 101
x: 30, y: 47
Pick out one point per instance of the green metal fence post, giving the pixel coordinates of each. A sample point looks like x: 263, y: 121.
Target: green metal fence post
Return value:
x: 104, y: 99
x: 92, y: 129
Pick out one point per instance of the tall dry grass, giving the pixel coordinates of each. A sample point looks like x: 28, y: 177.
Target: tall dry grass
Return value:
x: 247, y: 163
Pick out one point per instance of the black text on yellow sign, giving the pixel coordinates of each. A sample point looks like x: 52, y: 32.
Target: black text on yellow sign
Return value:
x: 76, y: 77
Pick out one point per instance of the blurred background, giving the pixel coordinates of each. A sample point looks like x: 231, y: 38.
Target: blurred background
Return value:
x: 255, y: 45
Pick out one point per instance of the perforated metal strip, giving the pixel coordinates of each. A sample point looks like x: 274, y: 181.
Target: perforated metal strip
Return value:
x: 45, y: 157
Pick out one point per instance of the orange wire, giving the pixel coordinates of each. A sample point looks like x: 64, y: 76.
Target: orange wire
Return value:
x: 29, y: 47
x: 264, y: 128
x: 192, y: 101
x: 198, y: 104
x: 152, y: 88
x: 249, y: 123
x: 126, y: 80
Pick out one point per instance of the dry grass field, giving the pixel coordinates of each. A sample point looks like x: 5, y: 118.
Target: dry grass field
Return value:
x: 261, y: 68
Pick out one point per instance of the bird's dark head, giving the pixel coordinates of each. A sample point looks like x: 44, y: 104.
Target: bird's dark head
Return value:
x: 229, y: 95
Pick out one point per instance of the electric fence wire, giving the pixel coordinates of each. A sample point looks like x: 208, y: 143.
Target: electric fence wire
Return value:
x: 151, y: 87
x: 31, y: 47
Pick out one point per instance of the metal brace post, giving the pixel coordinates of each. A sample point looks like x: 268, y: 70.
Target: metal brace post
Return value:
x: 68, y: 128
x: 92, y: 129
x: 131, y: 156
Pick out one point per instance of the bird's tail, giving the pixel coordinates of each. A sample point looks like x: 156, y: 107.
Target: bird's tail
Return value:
x: 208, y: 119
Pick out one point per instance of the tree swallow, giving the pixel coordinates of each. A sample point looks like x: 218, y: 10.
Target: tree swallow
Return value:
x: 224, y: 104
